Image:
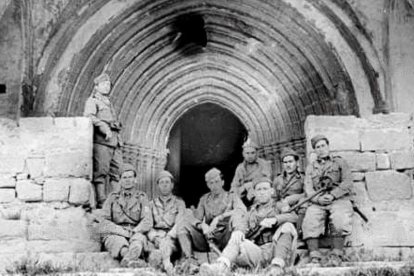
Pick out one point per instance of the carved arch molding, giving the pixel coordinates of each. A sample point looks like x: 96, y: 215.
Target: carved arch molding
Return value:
x: 271, y: 63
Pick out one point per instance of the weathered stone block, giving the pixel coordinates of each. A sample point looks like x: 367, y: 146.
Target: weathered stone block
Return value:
x: 388, y: 185
x: 27, y: 190
x: 36, y: 124
x: 385, y: 139
x: 383, y: 161
x: 7, y: 181
x: 13, y: 246
x: 80, y: 191
x: 7, y: 195
x: 329, y: 122
x: 358, y: 176
x: 95, y: 261
x: 402, y: 160
x: 76, y: 164
x: 392, y: 120
x: 12, y: 229
x: 47, y: 223
x: 63, y: 246
x: 11, y: 163
x: 56, y: 190
x: 359, y: 162
x: 35, y: 166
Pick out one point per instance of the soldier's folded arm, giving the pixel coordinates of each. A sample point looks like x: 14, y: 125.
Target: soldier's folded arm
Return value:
x: 345, y: 186
x: 146, y: 221
x: 286, y: 217
x: 293, y: 199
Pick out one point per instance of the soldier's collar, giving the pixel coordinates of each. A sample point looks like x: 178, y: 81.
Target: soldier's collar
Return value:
x: 296, y: 174
x: 327, y: 158
x: 128, y: 192
x: 166, y: 198
x: 254, y: 162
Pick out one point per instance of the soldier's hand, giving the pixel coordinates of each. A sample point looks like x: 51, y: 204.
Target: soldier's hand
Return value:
x: 268, y: 222
x: 214, y: 223
x: 325, y: 199
x: 205, y: 228
x: 108, y: 135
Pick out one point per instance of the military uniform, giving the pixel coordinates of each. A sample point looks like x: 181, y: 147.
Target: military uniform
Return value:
x: 210, y: 206
x: 271, y: 246
x: 340, y: 210
x: 128, y: 211
x: 165, y: 214
x: 107, y: 154
x: 246, y: 173
x: 289, y: 187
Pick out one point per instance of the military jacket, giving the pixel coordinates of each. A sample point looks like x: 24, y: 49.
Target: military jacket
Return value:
x: 210, y: 205
x: 129, y: 209
x: 101, y: 111
x: 246, y: 172
x: 336, y: 168
x: 271, y: 209
x: 164, y: 213
x: 286, y: 185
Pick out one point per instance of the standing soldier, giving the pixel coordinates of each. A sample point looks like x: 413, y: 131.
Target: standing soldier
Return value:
x: 333, y: 204
x: 126, y: 220
x: 165, y: 209
x: 289, y: 184
x: 252, y: 167
x: 218, y: 213
x: 267, y: 240
x: 107, y: 154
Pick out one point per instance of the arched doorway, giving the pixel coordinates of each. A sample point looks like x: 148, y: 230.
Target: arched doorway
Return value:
x: 206, y: 136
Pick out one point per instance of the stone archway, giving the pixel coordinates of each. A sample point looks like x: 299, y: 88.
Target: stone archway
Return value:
x: 270, y: 68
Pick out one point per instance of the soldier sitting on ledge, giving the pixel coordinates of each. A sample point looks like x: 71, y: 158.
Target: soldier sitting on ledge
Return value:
x: 333, y: 205
x: 268, y: 238
x: 126, y: 220
x: 289, y: 184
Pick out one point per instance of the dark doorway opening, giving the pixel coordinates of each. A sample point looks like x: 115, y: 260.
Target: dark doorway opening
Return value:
x: 204, y: 137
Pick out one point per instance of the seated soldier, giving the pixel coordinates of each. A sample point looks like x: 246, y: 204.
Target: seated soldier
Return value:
x: 267, y: 240
x: 126, y: 220
x: 252, y: 167
x: 218, y: 213
x: 289, y: 184
x: 334, y: 204
x: 165, y: 209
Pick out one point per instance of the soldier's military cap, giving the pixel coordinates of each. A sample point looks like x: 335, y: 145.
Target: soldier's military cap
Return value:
x: 315, y: 139
x: 250, y: 144
x: 163, y: 174
x: 212, y: 173
x: 261, y: 180
x: 101, y: 78
x: 288, y: 151
x: 128, y: 167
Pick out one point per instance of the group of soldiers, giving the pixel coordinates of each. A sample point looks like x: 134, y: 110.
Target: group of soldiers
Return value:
x: 256, y: 224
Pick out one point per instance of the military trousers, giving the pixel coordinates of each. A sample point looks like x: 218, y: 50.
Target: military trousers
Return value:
x: 339, y: 213
x: 106, y: 161
x: 248, y: 254
x: 192, y: 238
x: 136, y: 244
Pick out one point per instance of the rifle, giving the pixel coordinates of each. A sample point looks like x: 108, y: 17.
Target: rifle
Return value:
x: 358, y: 211
x: 325, y: 184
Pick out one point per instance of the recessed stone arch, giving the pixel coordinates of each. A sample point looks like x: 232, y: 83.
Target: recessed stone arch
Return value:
x: 271, y: 68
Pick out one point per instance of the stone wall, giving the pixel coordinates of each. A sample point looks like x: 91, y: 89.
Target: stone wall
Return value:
x: 45, y: 172
x: 379, y: 150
